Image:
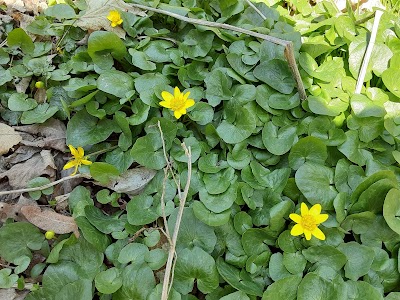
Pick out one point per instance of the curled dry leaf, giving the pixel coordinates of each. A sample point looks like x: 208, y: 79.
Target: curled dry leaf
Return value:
x: 95, y: 15
x: 132, y: 181
x: 52, y: 135
x: 13, y: 211
x: 8, y: 138
x: 49, y: 220
x: 38, y: 165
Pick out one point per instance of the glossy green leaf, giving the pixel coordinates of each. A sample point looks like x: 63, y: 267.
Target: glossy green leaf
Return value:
x: 93, y: 131
x: 19, y: 38
x: 116, y: 83
x: 109, y: 281
x: 316, y: 183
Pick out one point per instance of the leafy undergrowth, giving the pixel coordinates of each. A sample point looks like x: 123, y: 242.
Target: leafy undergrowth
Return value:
x: 258, y: 153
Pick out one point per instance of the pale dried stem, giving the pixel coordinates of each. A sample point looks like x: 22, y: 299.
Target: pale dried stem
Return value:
x: 169, y: 167
x: 167, y: 234
x: 46, y: 186
x: 368, y: 52
x: 289, y: 53
x: 169, y: 269
x: 256, y: 9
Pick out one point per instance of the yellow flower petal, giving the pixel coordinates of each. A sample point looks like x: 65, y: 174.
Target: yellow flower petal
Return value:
x: 315, y: 210
x: 70, y: 164
x: 297, y: 230
x: 295, y: 217
x: 81, y: 152
x: 186, y: 96
x: 76, y: 170
x: 168, y: 97
x: 303, y: 209
x: 307, y: 233
x: 86, y: 162
x: 165, y: 104
x: 318, y: 234
x: 74, y: 152
x: 178, y: 114
x: 177, y: 92
x: 321, y: 218
x: 189, y: 103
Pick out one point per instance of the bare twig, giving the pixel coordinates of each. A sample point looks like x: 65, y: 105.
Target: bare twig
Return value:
x: 46, y: 186
x: 169, y: 167
x: 289, y: 53
x: 256, y: 9
x: 137, y: 233
x: 167, y: 234
x: 169, y: 269
x: 368, y: 52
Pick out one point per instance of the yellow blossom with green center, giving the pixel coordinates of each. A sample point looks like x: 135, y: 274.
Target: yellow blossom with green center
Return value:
x: 308, y: 222
x: 178, y: 102
x: 115, y: 18
x: 79, y: 159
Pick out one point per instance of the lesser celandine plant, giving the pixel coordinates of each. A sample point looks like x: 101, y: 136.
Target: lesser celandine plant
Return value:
x: 266, y: 167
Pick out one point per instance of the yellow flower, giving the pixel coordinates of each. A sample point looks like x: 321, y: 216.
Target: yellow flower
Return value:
x: 115, y: 18
x: 178, y: 102
x: 49, y: 234
x: 78, y: 160
x: 308, y: 222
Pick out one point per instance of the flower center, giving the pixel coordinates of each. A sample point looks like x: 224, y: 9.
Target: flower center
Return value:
x: 308, y: 222
x: 178, y: 103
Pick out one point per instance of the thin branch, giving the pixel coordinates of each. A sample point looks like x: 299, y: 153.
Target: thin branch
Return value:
x: 256, y: 9
x: 167, y: 234
x: 137, y: 233
x: 43, y: 187
x: 171, y: 254
x: 167, y: 159
x: 368, y: 52
x: 289, y: 53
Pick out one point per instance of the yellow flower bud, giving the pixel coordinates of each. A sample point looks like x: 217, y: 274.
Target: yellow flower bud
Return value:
x: 49, y: 235
x: 39, y: 84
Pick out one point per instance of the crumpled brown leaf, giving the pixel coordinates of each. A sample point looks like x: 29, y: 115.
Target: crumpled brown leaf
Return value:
x: 131, y: 182
x: 34, y: 6
x: 95, y: 16
x: 13, y: 211
x: 8, y: 138
x: 38, y: 165
x: 49, y: 220
x: 50, y: 134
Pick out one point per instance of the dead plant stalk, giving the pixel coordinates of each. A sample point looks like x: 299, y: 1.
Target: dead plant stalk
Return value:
x: 169, y: 269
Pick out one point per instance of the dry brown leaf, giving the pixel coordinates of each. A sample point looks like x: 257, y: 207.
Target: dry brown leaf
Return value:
x: 8, y: 138
x: 38, y: 165
x: 22, y: 154
x: 13, y: 211
x: 49, y: 220
x: 52, y: 135
x: 95, y: 16
x: 132, y: 182
x: 34, y: 6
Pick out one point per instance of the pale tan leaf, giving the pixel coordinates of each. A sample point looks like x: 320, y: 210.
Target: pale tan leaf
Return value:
x: 49, y: 220
x: 38, y: 165
x: 131, y: 182
x: 8, y: 138
x: 52, y: 134
x: 95, y: 16
x: 13, y: 211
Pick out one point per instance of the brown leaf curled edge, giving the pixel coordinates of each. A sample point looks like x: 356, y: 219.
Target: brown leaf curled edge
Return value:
x: 50, y: 220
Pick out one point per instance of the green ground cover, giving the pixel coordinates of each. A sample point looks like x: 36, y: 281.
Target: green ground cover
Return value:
x: 275, y: 196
